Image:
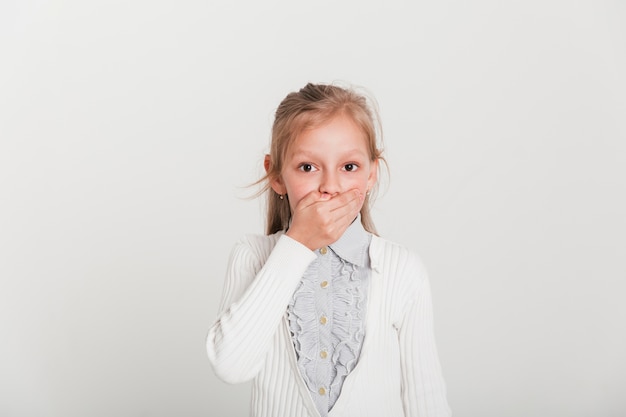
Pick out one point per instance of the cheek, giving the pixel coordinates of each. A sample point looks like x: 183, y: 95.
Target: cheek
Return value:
x: 297, y: 189
x: 361, y: 181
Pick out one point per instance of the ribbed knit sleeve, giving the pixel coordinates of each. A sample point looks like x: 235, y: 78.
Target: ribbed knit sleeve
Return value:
x: 423, y: 387
x: 254, y: 300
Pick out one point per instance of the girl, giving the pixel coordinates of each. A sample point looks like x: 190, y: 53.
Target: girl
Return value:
x: 326, y: 318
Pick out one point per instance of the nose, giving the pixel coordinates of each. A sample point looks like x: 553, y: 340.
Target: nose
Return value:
x: 330, y: 183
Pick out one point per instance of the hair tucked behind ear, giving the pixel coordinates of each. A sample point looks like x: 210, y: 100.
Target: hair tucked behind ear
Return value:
x: 310, y: 107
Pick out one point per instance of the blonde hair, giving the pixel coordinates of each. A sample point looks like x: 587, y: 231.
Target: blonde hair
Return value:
x: 310, y: 107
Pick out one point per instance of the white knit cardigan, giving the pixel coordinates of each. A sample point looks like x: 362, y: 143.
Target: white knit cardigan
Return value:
x: 398, y: 373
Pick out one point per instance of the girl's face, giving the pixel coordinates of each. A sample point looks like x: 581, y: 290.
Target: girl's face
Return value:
x: 331, y: 159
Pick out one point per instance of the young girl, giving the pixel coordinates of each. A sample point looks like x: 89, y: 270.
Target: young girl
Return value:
x: 326, y: 318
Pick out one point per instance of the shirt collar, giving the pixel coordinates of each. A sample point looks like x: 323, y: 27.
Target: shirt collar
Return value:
x: 353, y: 245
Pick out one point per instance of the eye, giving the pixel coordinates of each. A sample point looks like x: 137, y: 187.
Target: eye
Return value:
x: 350, y: 167
x: 306, y: 167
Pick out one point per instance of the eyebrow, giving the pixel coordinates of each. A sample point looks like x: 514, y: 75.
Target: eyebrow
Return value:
x: 308, y: 154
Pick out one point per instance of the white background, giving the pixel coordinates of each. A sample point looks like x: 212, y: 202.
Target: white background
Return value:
x: 129, y: 130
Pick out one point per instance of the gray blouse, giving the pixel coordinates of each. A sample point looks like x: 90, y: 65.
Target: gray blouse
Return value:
x: 327, y: 315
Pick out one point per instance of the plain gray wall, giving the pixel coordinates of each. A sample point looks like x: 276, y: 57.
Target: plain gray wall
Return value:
x: 128, y: 129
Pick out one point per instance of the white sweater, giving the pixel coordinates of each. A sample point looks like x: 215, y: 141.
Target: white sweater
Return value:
x: 398, y: 373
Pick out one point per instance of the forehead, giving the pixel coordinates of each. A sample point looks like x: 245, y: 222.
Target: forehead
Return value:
x: 340, y: 133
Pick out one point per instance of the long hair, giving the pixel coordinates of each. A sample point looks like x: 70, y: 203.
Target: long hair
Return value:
x: 310, y: 107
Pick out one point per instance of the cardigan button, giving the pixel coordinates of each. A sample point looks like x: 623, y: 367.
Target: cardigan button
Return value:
x: 324, y: 250
x: 323, y: 320
x: 322, y: 391
x: 323, y: 354
x: 324, y: 284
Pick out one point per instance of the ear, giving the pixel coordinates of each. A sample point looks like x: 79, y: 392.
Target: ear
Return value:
x: 276, y: 182
x: 371, y: 179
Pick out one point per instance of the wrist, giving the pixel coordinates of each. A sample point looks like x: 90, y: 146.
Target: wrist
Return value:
x: 300, y: 239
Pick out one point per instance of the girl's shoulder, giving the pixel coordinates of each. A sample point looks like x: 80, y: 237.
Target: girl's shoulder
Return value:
x: 381, y: 248
x: 255, y: 245
x: 387, y: 256
x: 257, y: 240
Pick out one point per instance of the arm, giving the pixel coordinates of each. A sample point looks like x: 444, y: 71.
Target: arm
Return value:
x: 423, y: 387
x: 253, y: 303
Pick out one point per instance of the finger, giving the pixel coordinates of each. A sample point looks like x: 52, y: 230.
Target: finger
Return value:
x: 347, y: 212
x: 346, y: 199
x: 343, y: 219
x: 309, y: 199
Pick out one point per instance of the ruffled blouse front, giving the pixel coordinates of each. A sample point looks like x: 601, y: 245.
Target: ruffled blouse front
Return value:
x: 327, y: 315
